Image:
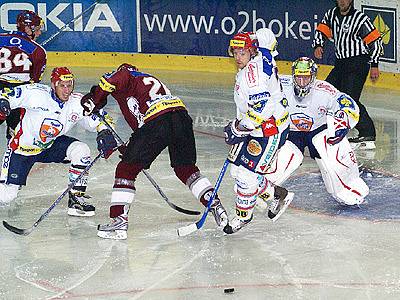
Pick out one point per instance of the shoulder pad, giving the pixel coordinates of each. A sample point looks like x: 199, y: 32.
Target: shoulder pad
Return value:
x: 345, y: 101
x: 326, y: 87
x: 106, y: 86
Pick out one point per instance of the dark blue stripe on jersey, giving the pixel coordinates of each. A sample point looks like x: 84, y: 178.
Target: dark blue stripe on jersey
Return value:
x: 138, y: 74
x: 267, y: 61
x: 14, y: 41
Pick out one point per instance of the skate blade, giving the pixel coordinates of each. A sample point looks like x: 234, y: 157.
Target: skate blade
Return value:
x: 288, y: 200
x: 369, y: 145
x: 113, y: 235
x: 79, y: 213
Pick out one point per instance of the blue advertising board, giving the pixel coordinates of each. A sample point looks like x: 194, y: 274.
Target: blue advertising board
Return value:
x: 204, y: 27
x: 194, y: 27
x: 100, y: 26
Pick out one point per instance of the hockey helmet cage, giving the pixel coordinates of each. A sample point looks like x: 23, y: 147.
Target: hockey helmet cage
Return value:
x: 243, y: 40
x: 304, y: 73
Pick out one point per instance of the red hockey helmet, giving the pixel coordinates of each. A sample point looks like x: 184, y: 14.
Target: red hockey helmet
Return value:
x: 127, y: 66
x: 61, y: 73
x: 30, y: 19
x: 243, y: 40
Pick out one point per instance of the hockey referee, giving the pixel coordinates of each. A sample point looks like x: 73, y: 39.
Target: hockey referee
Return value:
x: 358, y: 45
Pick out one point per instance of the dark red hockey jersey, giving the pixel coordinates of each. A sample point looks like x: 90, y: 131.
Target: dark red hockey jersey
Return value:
x: 141, y: 97
x: 21, y: 59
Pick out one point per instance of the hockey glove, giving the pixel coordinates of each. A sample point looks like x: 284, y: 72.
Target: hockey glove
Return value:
x: 4, y: 109
x: 234, y: 135
x: 106, y: 143
x: 341, y: 124
x: 122, y: 150
x: 88, y: 104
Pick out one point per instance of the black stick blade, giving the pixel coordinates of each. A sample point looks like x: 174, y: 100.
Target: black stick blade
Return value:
x: 17, y: 230
x: 186, y: 211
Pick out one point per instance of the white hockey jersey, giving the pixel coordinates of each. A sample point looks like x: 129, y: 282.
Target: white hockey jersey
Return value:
x: 258, y: 96
x: 310, y: 112
x: 45, y: 117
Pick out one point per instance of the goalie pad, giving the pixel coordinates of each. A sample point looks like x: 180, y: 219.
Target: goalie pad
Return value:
x: 339, y: 169
x: 288, y: 159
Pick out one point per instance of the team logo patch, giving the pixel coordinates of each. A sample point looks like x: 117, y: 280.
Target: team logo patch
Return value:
x: 326, y: 87
x: 302, y: 121
x: 49, y: 129
x: 73, y: 117
x: 345, y: 101
x: 284, y: 102
x: 254, y: 148
x: 322, y: 111
x: 252, y: 75
x: 259, y: 106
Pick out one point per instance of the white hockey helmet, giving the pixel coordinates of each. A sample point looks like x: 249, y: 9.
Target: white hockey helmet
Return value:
x: 304, y: 73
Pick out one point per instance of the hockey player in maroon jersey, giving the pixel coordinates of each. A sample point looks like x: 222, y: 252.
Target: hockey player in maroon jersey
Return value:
x: 159, y: 120
x: 22, y: 60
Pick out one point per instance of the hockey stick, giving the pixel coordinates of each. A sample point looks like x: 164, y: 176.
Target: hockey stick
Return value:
x: 188, y: 229
x: 45, y: 214
x: 67, y: 24
x: 152, y: 181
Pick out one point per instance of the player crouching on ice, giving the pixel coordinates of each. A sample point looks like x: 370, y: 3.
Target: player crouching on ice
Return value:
x: 321, y: 116
x: 48, y: 114
x: 260, y: 128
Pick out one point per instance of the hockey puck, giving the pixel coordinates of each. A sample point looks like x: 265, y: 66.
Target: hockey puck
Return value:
x: 229, y: 291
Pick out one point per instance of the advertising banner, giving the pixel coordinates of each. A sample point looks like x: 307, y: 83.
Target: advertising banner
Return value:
x: 86, y: 25
x: 204, y: 27
x: 194, y: 27
x: 385, y: 14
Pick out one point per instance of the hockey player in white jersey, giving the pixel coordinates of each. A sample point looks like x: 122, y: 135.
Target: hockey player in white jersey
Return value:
x: 320, y: 118
x: 260, y: 127
x: 48, y: 113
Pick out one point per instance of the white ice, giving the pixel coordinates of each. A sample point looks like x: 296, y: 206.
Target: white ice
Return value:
x: 307, y: 254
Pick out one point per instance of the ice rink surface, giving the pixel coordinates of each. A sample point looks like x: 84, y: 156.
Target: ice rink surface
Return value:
x: 317, y: 249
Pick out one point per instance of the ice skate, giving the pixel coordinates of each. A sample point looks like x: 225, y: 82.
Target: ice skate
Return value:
x: 116, y: 229
x: 362, y: 143
x: 219, y: 213
x: 77, y: 206
x: 281, y: 201
x: 236, y: 224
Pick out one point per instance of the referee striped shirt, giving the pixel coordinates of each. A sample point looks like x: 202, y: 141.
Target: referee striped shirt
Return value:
x: 353, y: 35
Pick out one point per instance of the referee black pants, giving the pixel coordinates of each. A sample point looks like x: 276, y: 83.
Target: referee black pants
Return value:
x: 349, y: 76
